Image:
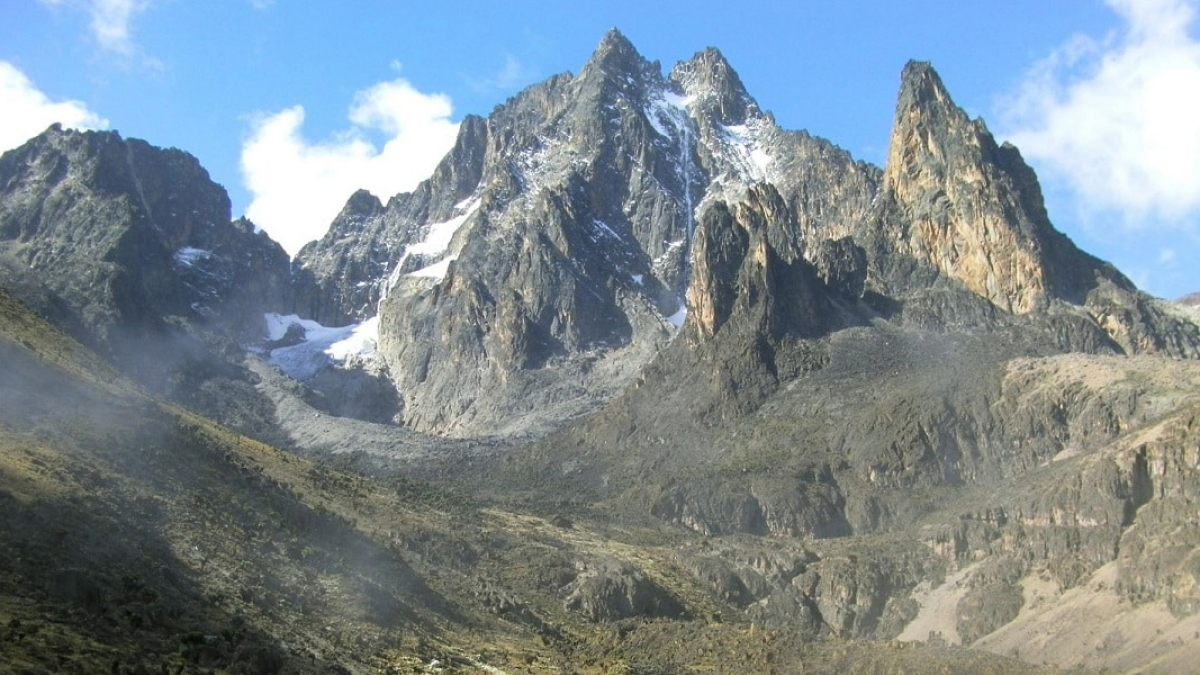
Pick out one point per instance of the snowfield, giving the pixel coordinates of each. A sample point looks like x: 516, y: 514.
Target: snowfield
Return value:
x: 322, y: 346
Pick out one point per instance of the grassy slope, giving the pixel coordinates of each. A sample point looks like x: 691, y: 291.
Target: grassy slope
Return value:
x: 139, y: 537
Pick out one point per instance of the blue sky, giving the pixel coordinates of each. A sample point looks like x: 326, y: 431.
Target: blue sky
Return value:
x: 291, y: 105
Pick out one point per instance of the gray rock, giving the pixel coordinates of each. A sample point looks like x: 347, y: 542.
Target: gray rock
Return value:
x: 125, y: 238
x: 610, y: 590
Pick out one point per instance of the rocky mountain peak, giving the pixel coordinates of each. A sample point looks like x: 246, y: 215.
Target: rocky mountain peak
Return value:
x: 920, y: 85
x: 127, y: 235
x: 709, y: 77
x: 549, y: 256
x: 740, y: 275
x: 614, y: 56
x: 956, y: 201
x: 965, y: 205
x: 362, y: 203
x: 360, y: 206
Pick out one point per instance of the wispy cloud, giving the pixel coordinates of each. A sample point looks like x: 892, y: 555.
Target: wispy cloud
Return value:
x: 513, y: 72
x: 28, y: 111
x: 111, y: 21
x: 1117, y: 118
x: 298, y: 185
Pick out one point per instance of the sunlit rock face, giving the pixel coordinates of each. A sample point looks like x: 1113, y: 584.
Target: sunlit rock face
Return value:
x: 969, y: 207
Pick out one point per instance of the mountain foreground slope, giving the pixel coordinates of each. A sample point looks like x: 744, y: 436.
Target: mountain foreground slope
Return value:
x: 142, y: 538
x: 655, y: 385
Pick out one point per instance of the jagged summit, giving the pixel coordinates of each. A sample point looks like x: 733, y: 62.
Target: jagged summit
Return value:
x: 127, y: 234
x: 616, y: 65
x: 708, y: 75
x: 556, y: 243
x: 130, y: 248
x: 572, y: 234
x: 920, y: 85
x: 614, y: 49
x: 973, y: 209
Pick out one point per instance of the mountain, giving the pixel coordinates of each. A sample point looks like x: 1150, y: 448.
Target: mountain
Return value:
x: 558, y: 246
x: 636, y: 380
x: 124, y: 244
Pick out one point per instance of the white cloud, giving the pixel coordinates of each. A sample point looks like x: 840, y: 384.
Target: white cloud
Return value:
x: 1118, y: 119
x: 111, y: 21
x: 298, y: 186
x: 28, y: 111
x: 513, y: 72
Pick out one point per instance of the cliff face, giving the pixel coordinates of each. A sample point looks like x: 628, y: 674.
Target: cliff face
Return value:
x: 955, y: 201
x: 959, y: 202
x: 550, y: 254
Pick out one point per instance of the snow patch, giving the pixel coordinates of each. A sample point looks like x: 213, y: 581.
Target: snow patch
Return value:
x: 667, y: 112
x: 745, y: 152
x: 606, y: 229
x: 437, y: 270
x: 190, y: 256
x: 679, y: 316
x: 436, y: 242
x: 322, y: 346
x: 438, y: 238
x: 534, y: 165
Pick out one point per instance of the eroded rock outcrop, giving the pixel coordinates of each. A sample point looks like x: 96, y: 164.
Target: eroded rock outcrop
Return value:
x: 610, y: 590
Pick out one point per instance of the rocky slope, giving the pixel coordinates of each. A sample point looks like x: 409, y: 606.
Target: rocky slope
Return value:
x: 142, y: 538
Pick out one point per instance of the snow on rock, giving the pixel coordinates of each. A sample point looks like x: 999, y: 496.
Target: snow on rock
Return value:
x: 747, y: 155
x: 437, y: 270
x: 665, y: 108
x: 603, y: 227
x: 667, y: 112
x: 437, y: 240
x: 190, y: 256
x: 679, y: 316
x: 322, y: 346
x: 278, y: 324
x: 435, y: 244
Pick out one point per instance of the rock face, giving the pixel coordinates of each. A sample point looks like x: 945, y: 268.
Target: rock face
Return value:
x: 121, y: 238
x: 889, y: 401
x: 971, y: 208
x: 548, y: 258
x: 955, y: 201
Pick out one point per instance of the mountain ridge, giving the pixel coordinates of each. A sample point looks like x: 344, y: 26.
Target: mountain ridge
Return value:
x: 625, y: 154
